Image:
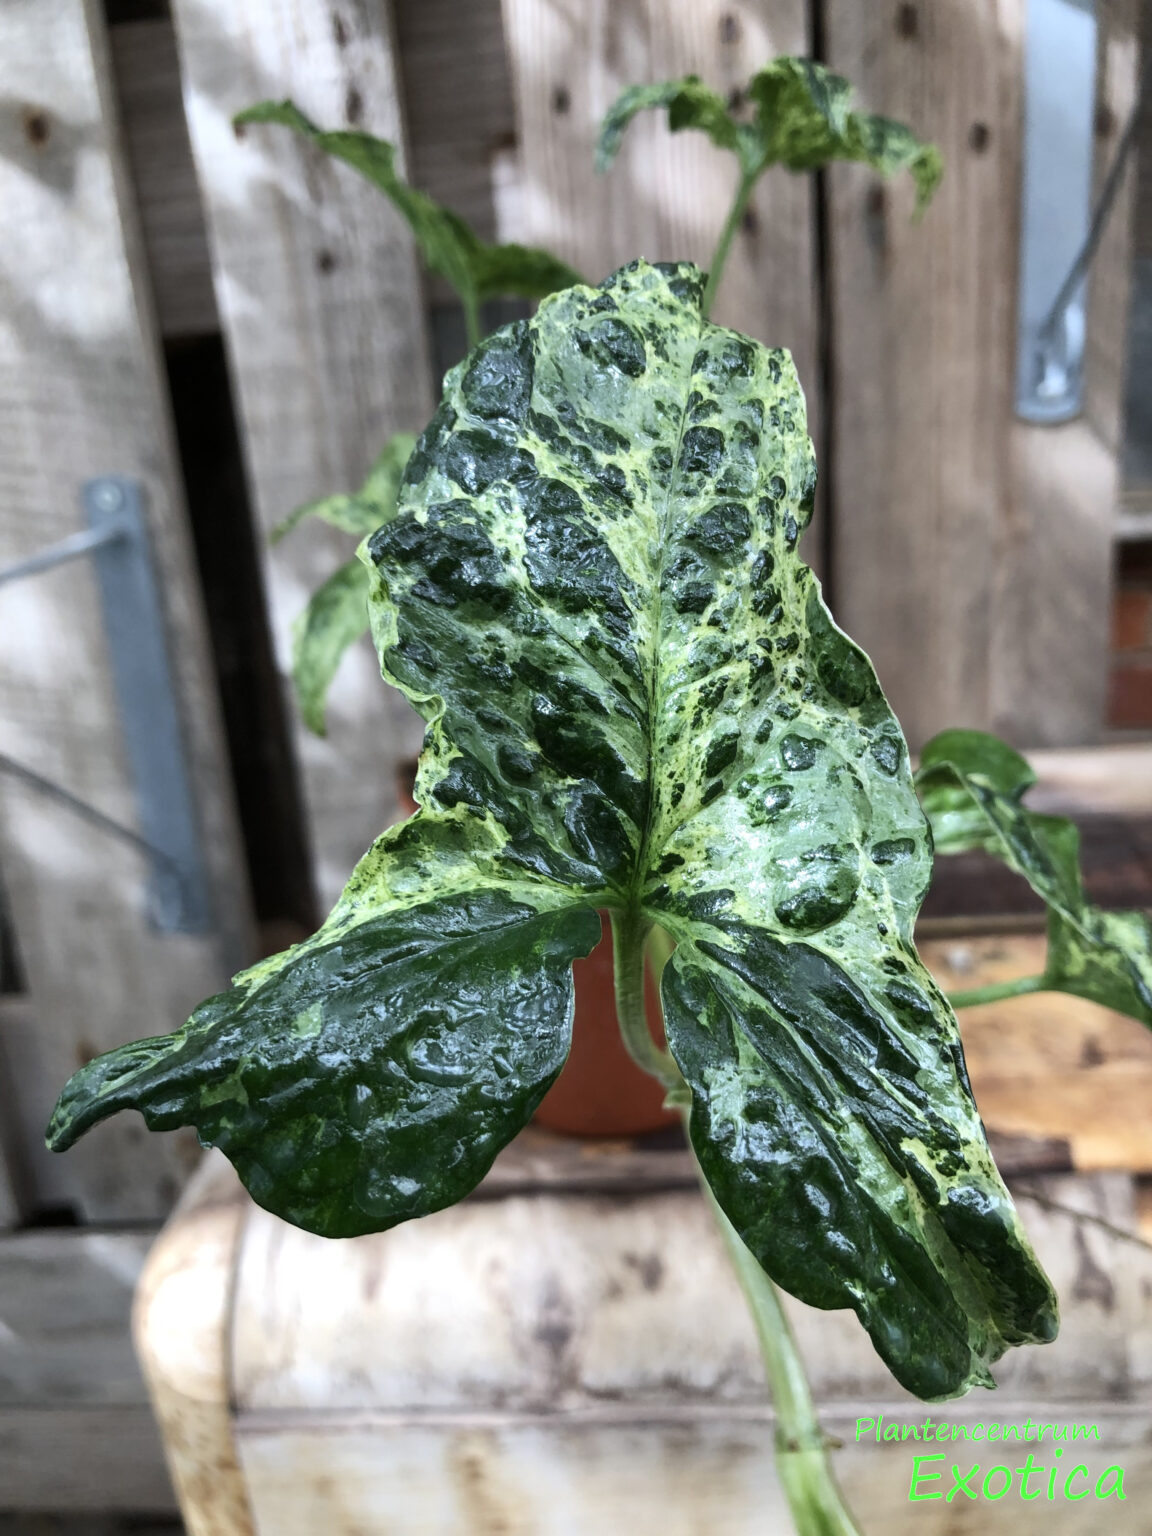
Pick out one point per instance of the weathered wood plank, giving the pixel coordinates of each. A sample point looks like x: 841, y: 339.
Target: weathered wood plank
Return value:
x: 1053, y: 594
x: 318, y: 295
x: 65, y: 1459
x: 922, y: 347
x: 667, y: 195
x: 147, y: 77
x: 971, y: 553
x: 82, y: 394
x: 65, y: 1300
x: 458, y: 106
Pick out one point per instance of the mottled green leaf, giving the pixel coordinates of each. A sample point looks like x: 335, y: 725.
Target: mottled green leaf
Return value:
x: 373, y: 1073
x: 690, y: 104
x: 447, y: 242
x: 972, y: 787
x: 636, y: 699
x: 335, y: 618
x: 360, y: 512
x: 802, y: 120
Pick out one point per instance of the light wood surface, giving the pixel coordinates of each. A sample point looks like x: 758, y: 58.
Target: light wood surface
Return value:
x: 1050, y: 1065
x: 82, y: 394
x: 76, y: 1432
x: 317, y: 290
x: 971, y: 552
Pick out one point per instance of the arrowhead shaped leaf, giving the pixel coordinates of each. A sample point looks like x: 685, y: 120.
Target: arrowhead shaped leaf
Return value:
x: 447, y: 242
x: 972, y: 787
x: 635, y: 699
x: 802, y: 120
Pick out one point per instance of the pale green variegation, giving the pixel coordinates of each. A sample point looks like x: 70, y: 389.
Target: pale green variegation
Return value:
x: 972, y: 787
x: 635, y: 699
x: 448, y: 243
x: 337, y: 612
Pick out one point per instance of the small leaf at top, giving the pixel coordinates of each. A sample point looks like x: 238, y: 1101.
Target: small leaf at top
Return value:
x: 802, y: 120
x: 448, y: 244
x: 972, y: 787
x: 690, y: 104
x: 635, y: 698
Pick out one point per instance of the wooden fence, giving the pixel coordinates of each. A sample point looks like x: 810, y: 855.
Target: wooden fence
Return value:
x: 969, y: 553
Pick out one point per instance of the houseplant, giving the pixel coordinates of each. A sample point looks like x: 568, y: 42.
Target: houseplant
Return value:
x: 637, y: 701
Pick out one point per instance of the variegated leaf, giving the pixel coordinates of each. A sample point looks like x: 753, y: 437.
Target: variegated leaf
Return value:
x: 337, y: 612
x: 335, y: 618
x: 635, y: 699
x: 802, y: 120
x: 447, y: 242
x: 361, y: 511
x: 972, y: 787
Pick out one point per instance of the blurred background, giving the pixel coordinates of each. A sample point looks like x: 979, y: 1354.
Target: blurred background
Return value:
x: 215, y: 327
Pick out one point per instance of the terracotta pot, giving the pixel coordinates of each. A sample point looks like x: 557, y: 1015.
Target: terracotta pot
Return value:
x: 601, y: 1091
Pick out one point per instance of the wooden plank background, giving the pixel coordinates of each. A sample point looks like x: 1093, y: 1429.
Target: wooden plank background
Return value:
x: 318, y: 295
x: 82, y: 393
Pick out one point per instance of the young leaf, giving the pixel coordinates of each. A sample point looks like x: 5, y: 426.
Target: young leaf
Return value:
x: 448, y: 244
x: 802, y: 120
x: 972, y: 787
x: 335, y: 618
x: 636, y: 699
x: 690, y: 104
x: 360, y: 512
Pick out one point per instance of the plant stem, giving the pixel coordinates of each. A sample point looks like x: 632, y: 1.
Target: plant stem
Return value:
x: 994, y: 993
x: 727, y: 235
x: 473, y: 330
x: 809, y: 1483
x: 629, y: 933
x: 801, y: 1449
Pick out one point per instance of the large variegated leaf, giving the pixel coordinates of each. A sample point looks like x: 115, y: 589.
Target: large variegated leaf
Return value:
x: 973, y: 787
x: 635, y: 699
x: 801, y: 120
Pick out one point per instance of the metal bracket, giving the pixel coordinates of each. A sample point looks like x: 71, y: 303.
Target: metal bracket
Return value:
x: 168, y: 835
x: 1056, y: 216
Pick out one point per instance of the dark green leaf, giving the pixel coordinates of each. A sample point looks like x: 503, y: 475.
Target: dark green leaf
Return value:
x: 360, y: 512
x: 374, y: 1072
x: 972, y: 787
x: 636, y: 698
x: 335, y: 618
x: 448, y: 244
x: 802, y: 120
